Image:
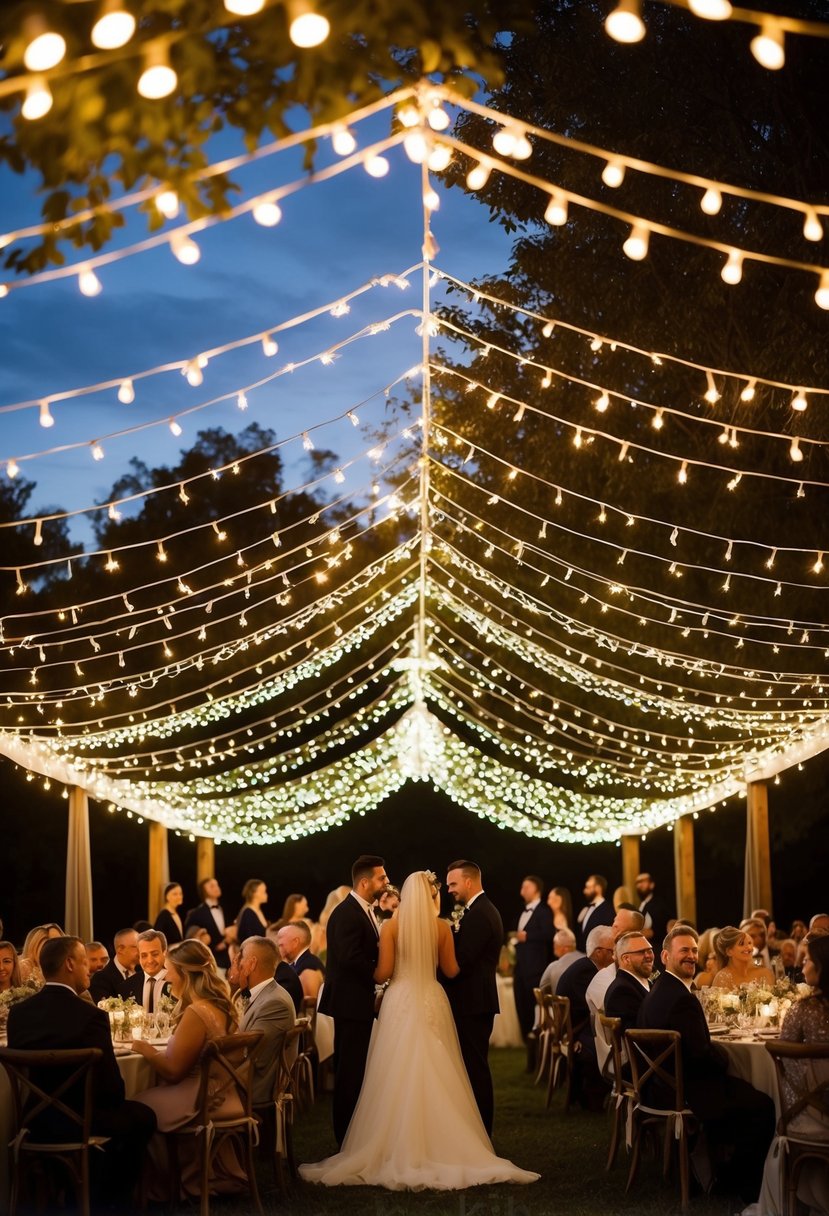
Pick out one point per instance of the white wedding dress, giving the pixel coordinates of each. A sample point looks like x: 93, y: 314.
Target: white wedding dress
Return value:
x: 416, y: 1125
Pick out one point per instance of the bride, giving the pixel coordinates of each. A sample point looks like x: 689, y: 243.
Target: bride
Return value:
x: 430, y: 1134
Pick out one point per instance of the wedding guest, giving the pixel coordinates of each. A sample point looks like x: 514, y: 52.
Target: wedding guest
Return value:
x: 785, y: 964
x: 588, y: 1088
x: 560, y: 903
x: 293, y: 942
x: 121, y: 976
x: 55, y: 1019
x: 634, y: 961
x: 597, y: 911
x: 819, y: 923
x: 798, y: 931
x: 319, y: 943
x: 267, y: 1007
x: 732, y: 1112
x: 755, y: 927
x: 30, y: 954
x: 652, y: 908
x: 251, y: 920
x: 533, y: 949
x: 152, y: 958
x: 735, y: 958
x: 198, y: 934
x: 622, y: 898
x: 9, y: 967
x: 209, y: 915
x: 564, y: 949
x: 169, y: 920
x: 204, y: 1012
x: 294, y: 908
x: 626, y: 920
x: 285, y: 975
x: 97, y: 956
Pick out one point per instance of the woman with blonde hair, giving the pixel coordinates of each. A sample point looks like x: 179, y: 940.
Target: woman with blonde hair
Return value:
x: 707, y: 960
x: 734, y: 949
x: 319, y: 935
x: 203, y: 1012
x: 9, y: 967
x: 30, y: 954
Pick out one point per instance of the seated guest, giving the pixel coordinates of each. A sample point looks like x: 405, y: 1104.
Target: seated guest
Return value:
x: 634, y: 960
x: 757, y: 930
x: 55, y: 1019
x: 626, y: 920
x: 209, y: 915
x: 152, y: 958
x: 251, y: 920
x: 169, y: 920
x: 819, y: 923
x: 267, y: 1007
x: 293, y: 942
x: 9, y: 967
x: 97, y: 956
x: 285, y: 975
x: 588, y: 1088
x: 30, y: 955
x: 798, y: 930
x: 707, y: 961
x: 735, y: 1116
x: 564, y: 949
x: 784, y: 963
x: 735, y: 956
x: 204, y: 1012
x: 121, y: 976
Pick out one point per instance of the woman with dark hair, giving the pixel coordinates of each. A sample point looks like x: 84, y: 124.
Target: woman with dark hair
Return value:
x: 204, y: 1011
x: 561, y: 903
x: 251, y: 921
x: 295, y: 908
x: 169, y: 920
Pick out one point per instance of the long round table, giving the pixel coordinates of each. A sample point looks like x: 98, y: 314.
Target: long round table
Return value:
x: 748, y: 1059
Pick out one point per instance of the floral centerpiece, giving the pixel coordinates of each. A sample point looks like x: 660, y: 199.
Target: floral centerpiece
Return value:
x: 762, y: 1002
x: 118, y: 1004
x: 12, y: 996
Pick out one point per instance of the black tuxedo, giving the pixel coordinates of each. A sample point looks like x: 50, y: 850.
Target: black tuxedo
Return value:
x: 307, y: 962
x: 589, y: 1090
x: 531, y: 959
x: 623, y: 999
x: 732, y: 1110
x: 165, y: 924
x: 58, y: 1019
x: 110, y: 982
x: 653, y: 907
x: 348, y: 997
x: 473, y: 995
x: 202, y: 917
x: 603, y: 914
x: 289, y: 980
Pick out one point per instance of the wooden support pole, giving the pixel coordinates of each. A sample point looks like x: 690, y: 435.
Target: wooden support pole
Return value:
x: 630, y: 864
x: 205, y: 858
x: 757, y: 887
x: 159, y: 869
x: 686, y: 891
x: 78, y: 909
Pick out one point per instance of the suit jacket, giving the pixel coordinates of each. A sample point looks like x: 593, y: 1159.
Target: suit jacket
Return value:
x: 56, y: 1018
x: 671, y: 1006
x: 574, y: 984
x: 165, y: 924
x: 604, y: 914
x: 273, y: 1013
x: 110, y: 982
x: 203, y: 917
x: 533, y: 955
x: 624, y: 998
x: 307, y: 962
x: 288, y: 979
x: 478, y: 941
x: 353, y: 947
x: 656, y: 910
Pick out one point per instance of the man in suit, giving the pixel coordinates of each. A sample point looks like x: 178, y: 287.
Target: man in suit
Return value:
x: 634, y: 960
x: 564, y: 949
x: 121, y: 976
x: 57, y: 1019
x: 209, y: 915
x: 97, y: 956
x: 626, y: 920
x: 588, y: 1088
x: 473, y: 994
x: 348, y: 995
x: 269, y: 1009
x: 597, y: 911
x: 293, y: 941
x: 653, y: 910
x: 736, y: 1117
x: 533, y: 949
x: 152, y: 958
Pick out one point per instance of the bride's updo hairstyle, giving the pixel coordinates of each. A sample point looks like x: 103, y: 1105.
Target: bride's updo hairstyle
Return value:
x: 200, y: 981
x: 417, y: 926
x: 725, y: 940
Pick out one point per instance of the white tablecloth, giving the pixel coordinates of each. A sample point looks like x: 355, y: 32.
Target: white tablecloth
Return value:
x: 506, y: 1032
x: 748, y: 1058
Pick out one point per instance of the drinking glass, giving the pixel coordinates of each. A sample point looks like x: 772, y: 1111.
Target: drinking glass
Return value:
x: 162, y: 1023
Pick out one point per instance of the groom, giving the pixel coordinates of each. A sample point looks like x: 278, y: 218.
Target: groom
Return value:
x: 473, y: 994
x: 348, y: 992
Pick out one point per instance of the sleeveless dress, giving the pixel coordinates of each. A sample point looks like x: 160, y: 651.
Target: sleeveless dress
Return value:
x: 174, y: 1104
x: 416, y: 1125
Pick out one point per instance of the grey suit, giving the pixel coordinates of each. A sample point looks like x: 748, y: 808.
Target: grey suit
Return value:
x: 271, y: 1011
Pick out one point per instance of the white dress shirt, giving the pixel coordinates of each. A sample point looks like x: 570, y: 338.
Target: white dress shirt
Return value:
x: 154, y: 984
x: 527, y: 913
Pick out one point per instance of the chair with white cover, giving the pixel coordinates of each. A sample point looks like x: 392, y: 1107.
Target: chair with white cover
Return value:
x: 622, y: 1094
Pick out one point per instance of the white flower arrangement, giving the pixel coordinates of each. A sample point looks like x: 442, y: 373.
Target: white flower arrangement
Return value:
x: 456, y: 916
x: 12, y: 996
x: 117, y: 1004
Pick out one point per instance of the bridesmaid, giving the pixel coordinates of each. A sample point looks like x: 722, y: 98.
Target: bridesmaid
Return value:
x: 560, y: 902
x: 168, y: 920
x: 251, y: 921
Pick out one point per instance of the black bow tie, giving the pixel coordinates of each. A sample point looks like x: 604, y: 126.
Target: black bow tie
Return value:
x: 214, y: 905
x: 244, y: 993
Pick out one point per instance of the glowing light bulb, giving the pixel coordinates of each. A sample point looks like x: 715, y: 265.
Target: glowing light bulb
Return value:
x: 408, y: 115
x: 46, y: 418
x: 244, y: 8
x: 822, y: 293
x: 812, y: 227
x: 184, y: 249
x: 748, y: 392
x: 799, y: 401
x: 682, y: 475
x: 12, y: 468
x: 175, y: 427
x: 711, y: 201
x: 307, y: 28
x: 794, y: 450
x: 88, y: 282
x: 625, y: 23
x: 478, y: 177
x: 416, y: 146
x: 818, y: 566
x: 767, y: 47
x: 96, y: 450
x: 658, y: 420
x: 439, y: 158
x: 523, y: 149
x: 342, y: 141
x: 158, y: 79
x: 167, y: 204
x: 602, y: 403
x: 504, y: 140
x: 45, y: 48
x: 438, y: 119
x: 269, y: 345
x: 732, y: 271
x: 711, y: 10
x: 38, y: 99
x: 636, y: 245
x: 126, y: 392
x: 376, y: 166
x: 241, y: 402
x: 431, y: 200
x: 193, y: 374
x: 556, y: 212
x: 267, y: 213
x: 114, y: 27
x: 613, y: 174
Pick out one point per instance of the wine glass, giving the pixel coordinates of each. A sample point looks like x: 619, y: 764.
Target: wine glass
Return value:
x: 162, y: 1023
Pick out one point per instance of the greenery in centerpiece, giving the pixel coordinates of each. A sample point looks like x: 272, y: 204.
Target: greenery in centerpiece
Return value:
x: 116, y: 1004
x: 12, y: 996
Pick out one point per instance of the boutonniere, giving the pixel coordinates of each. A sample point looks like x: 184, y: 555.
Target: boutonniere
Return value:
x: 456, y: 916
x: 653, y: 977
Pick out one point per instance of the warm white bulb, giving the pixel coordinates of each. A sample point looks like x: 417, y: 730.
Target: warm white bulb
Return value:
x: 439, y: 158
x: 799, y: 401
x: 625, y: 23
x: 602, y: 403
x: 431, y: 200
x: 812, y: 227
x: 38, y: 99
x: 244, y: 8
x: 438, y: 119
x: 478, y: 177
x: 711, y: 201
x: 193, y: 374
x: 44, y: 51
x: 342, y: 141
x: 126, y: 392
x: 309, y: 29
x: 822, y: 293
x: 556, y: 212
x: 114, y: 27
x: 241, y: 402
x: 767, y: 46
x: 175, y: 427
x: 269, y: 345
x: 97, y: 451
x: 504, y: 141
x: 408, y: 115
x: 167, y: 204
x: 636, y: 245
x: 267, y: 213
x: 523, y: 149
x: 12, y: 468
x: 158, y: 78
x: 613, y: 174
x: 711, y: 10
x: 46, y: 419
x: 794, y: 451
x: 185, y: 250
x: 416, y: 146
x: 732, y: 271
x: 376, y: 166
x: 748, y: 392
x: 88, y: 282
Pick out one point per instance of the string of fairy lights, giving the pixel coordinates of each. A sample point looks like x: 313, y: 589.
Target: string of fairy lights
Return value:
x: 432, y: 587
